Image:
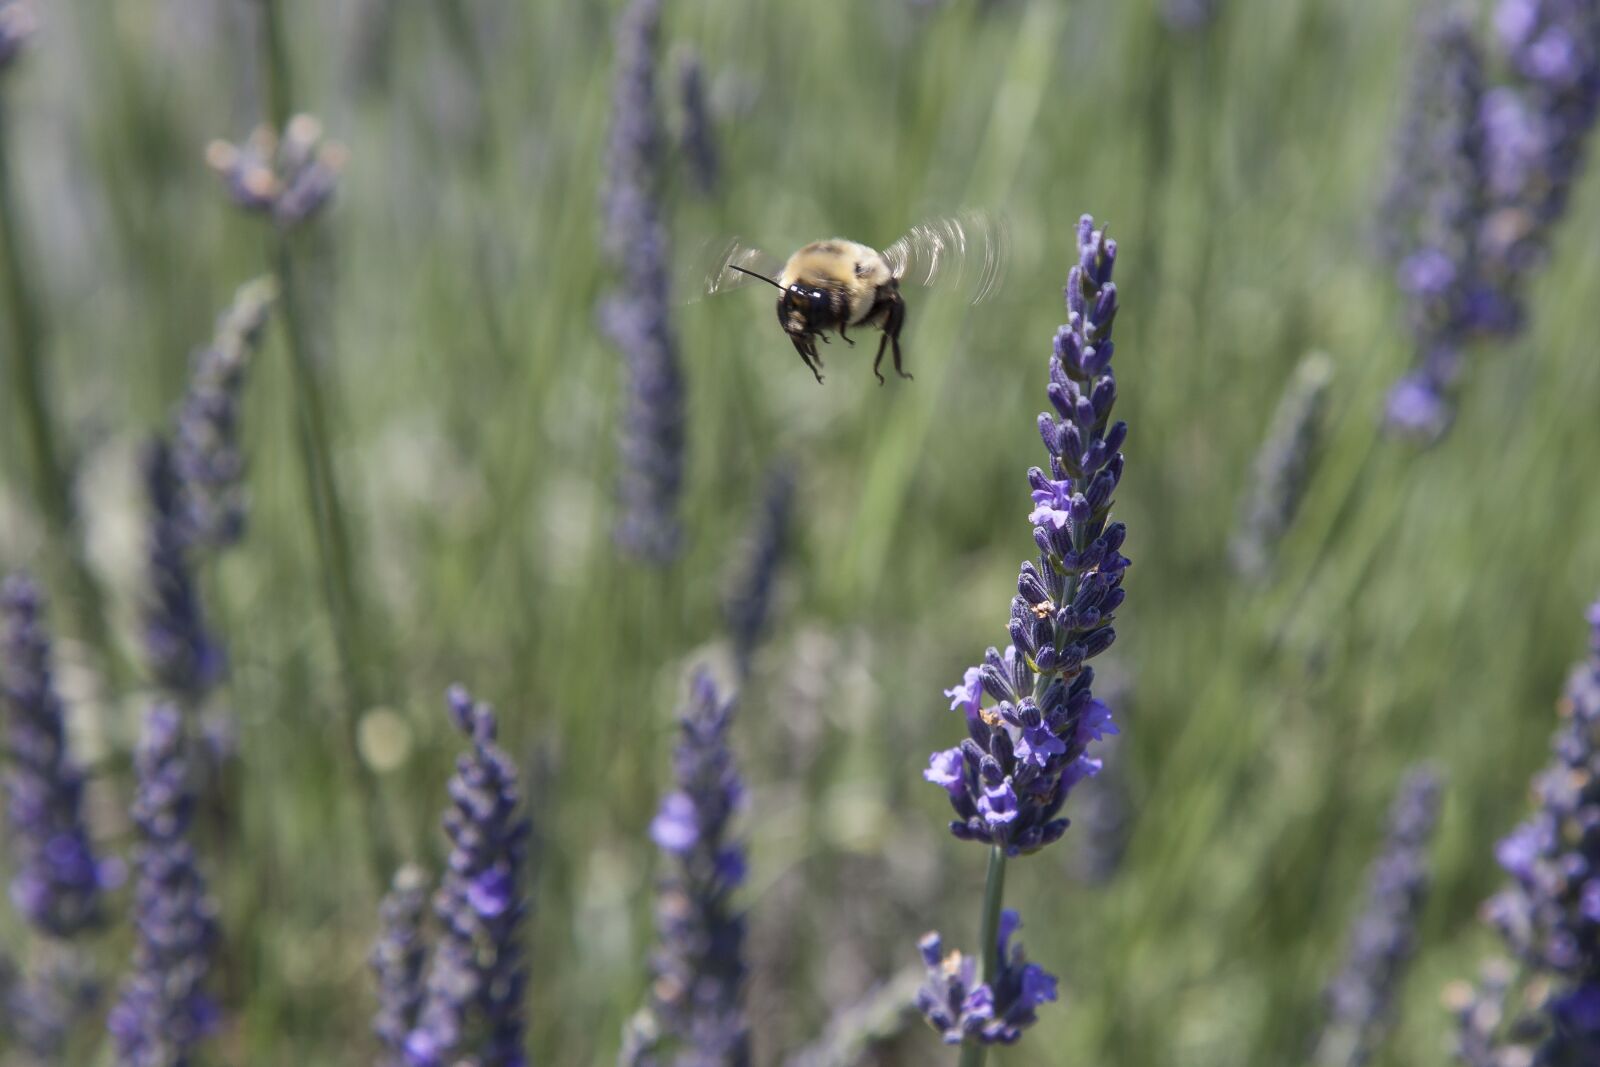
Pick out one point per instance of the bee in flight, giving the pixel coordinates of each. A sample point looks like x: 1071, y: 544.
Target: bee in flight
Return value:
x: 834, y: 285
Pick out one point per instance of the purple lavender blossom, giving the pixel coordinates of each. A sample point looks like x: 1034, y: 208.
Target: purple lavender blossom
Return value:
x: 1549, y: 914
x: 1282, y: 467
x: 959, y: 1007
x: 18, y: 23
x: 636, y: 318
x: 186, y: 660
x: 288, y: 178
x: 163, y: 1010
x: 1439, y: 269
x: 748, y: 602
x: 477, y: 980
x: 1188, y: 15
x: 1361, y: 997
x: 59, y: 881
x: 397, y: 960
x: 695, y: 1015
x: 205, y: 451
x: 38, y: 1011
x: 698, y: 138
x: 1010, y: 778
x: 1539, y: 127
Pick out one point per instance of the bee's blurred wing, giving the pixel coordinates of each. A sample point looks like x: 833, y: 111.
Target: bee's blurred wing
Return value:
x: 712, y: 266
x: 967, y: 253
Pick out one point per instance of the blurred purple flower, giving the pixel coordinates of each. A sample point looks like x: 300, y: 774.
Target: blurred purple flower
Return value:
x: 18, y: 23
x: 397, y: 960
x: 186, y: 659
x: 699, y: 142
x: 959, y: 1007
x: 747, y: 605
x: 288, y: 178
x: 163, y: 1010
x: 695, y: 1013
x: 472, y: 1008
x: 59, y: 881
x: 1361, y: 998
x: 1547, y: 913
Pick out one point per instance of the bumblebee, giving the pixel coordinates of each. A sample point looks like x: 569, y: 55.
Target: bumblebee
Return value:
x: 835, y: 285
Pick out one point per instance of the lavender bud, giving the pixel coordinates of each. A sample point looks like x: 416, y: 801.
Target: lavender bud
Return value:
x: 1282, y: 467
x: 287, y: 178
x: 58, y: 882
x: 959, y: 1007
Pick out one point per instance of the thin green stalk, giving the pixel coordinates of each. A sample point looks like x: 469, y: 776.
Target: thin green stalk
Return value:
x: 972, y: 1052
x: 50, y: 482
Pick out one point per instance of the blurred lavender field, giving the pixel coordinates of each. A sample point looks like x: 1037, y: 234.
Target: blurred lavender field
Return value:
x: 464, y: 421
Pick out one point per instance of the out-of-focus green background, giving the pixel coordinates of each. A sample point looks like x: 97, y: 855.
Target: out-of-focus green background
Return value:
x: 1425, y: 605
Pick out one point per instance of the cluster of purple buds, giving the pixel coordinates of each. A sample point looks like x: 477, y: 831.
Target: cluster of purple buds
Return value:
x: 1361, y: 998
x: 697, y: 137
x: 205, y: 450
x: 287, y: 178
x: 397, y: 960
x: 163, y: 1010
x: 18, y: 23
x: 1440, y: 270
x: 472, y: 1004
x: 1538, y: 126
x: 59, y: 882
x: 637, y: 318
x: 186, y: 659
x: 1549, y: 914
x: 748, y: 601
x: 695, y: 1014
x: 959, y: 1007
x: 1010, y: 778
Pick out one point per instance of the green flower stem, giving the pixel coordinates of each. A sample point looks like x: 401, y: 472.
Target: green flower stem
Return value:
x: 50, y: 482
x: 972, y: 1052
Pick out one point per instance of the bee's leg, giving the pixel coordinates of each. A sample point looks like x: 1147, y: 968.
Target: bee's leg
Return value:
x: 892, y: 325
x: 883, y: 343
x: 844, y: 336
x: 808, y: 354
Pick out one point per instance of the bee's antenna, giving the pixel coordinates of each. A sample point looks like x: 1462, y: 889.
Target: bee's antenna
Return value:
x: 753, y: 274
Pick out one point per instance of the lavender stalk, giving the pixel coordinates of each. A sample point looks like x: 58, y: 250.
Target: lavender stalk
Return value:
x: 59, y: 882
x: 748, y: 603
x: 1361, y: 997
x: 472, y: 1005
x: 1282, y: 467
x: 1548, y: 1015
x: 637, y: 318
x: 695, y: 1015
x: 1009, y: 780
x: 163, y: 1011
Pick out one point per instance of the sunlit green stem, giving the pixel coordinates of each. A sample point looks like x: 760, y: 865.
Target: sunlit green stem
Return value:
x: 50, y: 481
x: 972, y: 1052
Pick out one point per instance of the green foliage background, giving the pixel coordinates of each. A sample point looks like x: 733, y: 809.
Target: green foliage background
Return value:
x: 1425, y: 606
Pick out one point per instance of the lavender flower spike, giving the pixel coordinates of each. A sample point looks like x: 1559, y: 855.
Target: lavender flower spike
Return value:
x: 288, y: 178
x: 186, y: 660
x: 636, y: 319
x: 205, y: 449
x: 748, y: 602
x: 1282, y: 467
x: 397, y: 961
x: 1441, y: 271
x: 1028, y: 747
x: 695, y: 1010
x: 997, y: 1012
x: 698, y: 138
x: 59, y: 882
x: 163, y: 1010
x: 1361, y: 998
x: 472, y: 1007
x: 1550, y: 913
x: 17, y: 24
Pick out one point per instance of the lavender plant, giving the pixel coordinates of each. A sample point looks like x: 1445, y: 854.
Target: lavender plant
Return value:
x: 163, y: 1011
x: 1548, y: 1014
x: 59, y: 882
x: 695, y: 1015
x: 698, y: 139
x: 471, y: 1009
x: 18, y: 23
x: 1440, y: 272
x: 636, y: 318
x: 748, y: 601
x: 397, y: 960
x: 1009, y: 780
x: 1361, y: 997
x: 287, y: 177
x: 186, y: 659
x: 1282, y: 467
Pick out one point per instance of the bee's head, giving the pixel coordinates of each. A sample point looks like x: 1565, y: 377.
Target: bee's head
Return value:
x: 802, y: 309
